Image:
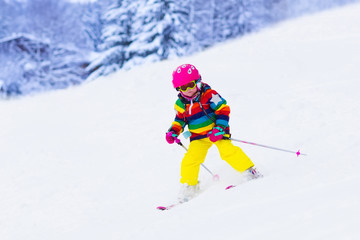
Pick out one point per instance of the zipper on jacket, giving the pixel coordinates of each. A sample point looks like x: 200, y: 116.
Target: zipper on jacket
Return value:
x: 191, y: 104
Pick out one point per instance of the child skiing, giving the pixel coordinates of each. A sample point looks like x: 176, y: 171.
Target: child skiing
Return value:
x: 206, y: 114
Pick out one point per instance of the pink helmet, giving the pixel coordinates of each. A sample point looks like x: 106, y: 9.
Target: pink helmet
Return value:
x: 184, y: 74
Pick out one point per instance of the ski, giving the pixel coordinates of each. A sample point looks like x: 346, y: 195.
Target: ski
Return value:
x: 254, y: 175
x: 168, y: 207
x: 163, y: 208
x: 230, y: 186
x: 179, y: 202
x: 233, y: 186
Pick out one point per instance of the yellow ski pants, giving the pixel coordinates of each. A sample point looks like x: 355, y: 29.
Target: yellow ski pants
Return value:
x: 190, y: 165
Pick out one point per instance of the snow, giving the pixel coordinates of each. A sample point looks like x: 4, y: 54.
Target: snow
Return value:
x: 91, y: 162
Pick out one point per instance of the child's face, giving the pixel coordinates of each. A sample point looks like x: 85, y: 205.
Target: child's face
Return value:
x: 190, y: 92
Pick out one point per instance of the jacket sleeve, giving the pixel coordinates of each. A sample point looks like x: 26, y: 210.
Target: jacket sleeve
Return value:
x: 221, y: 109
x: 179, y: 122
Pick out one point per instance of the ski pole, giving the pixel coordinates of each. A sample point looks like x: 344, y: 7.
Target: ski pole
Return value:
x: 261, y: 145
x: 215, y: 176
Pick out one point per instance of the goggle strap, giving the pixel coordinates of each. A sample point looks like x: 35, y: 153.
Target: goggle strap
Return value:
x: 196, y: 82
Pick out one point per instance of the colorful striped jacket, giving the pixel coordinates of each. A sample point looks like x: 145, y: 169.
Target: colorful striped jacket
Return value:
x: 192, y: 114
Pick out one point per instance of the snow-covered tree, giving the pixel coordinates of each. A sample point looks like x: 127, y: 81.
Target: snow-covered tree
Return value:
x: 225, y: 19
x: 43, y: 43
x: 94, y: 23
x: 299, y: 7
x: 29, y: 64
x: 115, y: 37
x: 278, y: 9
x: 11, y: 17
x: 162, y: 29
x: 202, y: 22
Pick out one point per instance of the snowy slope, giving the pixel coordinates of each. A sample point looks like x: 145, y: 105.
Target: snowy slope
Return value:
x: 91, y: 162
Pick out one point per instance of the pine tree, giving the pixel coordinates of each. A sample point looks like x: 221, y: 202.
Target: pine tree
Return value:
x: 162, y: 30
x: 225, y: 23
x: 93, y: 23
x: 115, y: 38
x: 202, y: 22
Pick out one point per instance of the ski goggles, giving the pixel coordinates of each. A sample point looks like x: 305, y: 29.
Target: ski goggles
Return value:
x: 190, y: 85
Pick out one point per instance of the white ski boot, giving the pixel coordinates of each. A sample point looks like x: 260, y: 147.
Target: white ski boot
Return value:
x: 188, y: 192
x: 253, y: 173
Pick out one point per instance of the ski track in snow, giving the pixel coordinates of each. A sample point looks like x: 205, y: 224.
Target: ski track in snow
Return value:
x: 91, y: 162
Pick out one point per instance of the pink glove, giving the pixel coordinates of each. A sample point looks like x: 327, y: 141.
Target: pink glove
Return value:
x: 216, y: 134
x: 171, y: 137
